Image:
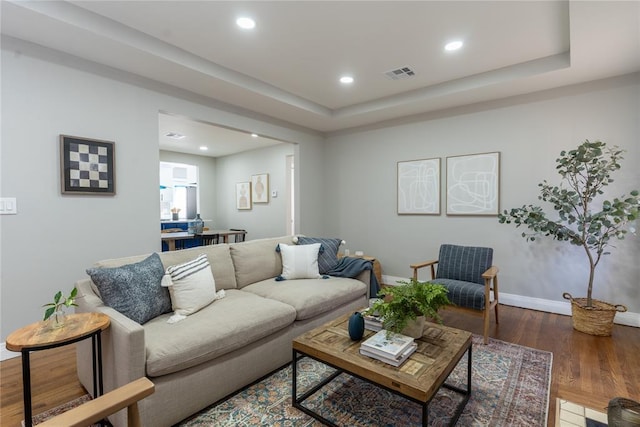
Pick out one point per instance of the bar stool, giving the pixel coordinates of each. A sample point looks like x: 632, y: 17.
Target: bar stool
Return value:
x: 210, y: 239
x: 239, y: 237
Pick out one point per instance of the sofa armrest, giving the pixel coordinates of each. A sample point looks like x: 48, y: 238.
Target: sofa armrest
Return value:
x: 365, y: 277
x: 123, y: 344
x: 417, y: 266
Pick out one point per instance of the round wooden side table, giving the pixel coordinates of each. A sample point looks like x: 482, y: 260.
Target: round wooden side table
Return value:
x: 40, y: 336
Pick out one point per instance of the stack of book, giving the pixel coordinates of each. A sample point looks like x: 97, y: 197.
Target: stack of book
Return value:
x: 372, y: 322
x: 388, y: 347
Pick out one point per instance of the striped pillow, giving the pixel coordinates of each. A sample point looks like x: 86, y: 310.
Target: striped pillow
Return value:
x: 191, y: 286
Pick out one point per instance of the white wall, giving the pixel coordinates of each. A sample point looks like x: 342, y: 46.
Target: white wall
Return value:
x: 48, y: 245
x: 263, y: 219
x: 529, y: 132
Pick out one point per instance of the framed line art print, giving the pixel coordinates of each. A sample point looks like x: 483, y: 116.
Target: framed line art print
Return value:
x: 260, y: 188
x: 87, y: 166
x: 419, y: 187
x: 473, y: 184
x: 243, y: 195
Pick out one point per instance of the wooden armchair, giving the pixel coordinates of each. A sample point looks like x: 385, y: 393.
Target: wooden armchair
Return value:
x: 98, y: 409
x: 467, y: 273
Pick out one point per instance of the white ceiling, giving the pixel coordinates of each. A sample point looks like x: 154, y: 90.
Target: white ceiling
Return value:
x: 220, y: 141
x: 288, y: 67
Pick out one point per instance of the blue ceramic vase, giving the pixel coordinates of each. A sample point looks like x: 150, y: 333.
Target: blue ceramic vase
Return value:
x: 356, y: 326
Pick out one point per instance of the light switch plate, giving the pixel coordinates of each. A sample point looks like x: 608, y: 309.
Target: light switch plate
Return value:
x: 8, y: 206
x: 274, y: 194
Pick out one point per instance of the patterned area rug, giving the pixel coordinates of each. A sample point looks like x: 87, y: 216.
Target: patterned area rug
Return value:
x: 510, y: 387
x: 43, y: 416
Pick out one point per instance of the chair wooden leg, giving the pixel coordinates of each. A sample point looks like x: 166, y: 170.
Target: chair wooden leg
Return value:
x: 495, y: 296
x: 133, y: 415
x: 487, y: 314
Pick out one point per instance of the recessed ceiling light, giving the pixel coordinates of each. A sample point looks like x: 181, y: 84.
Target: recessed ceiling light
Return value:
x: 254, y: 135
x: 454, y: 45
x: 246, y: 23
x: 204, y: 148
x: 174, y: 135
x: 346, y: 80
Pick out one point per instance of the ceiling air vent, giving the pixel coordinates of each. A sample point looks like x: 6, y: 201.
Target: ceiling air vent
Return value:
x: 400, y: 73
x: 174, y: 135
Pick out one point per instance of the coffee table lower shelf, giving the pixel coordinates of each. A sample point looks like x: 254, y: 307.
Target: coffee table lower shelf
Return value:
x: 297, y: 401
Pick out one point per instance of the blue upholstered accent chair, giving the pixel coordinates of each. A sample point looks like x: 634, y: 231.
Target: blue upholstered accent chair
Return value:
x: 470, y: 277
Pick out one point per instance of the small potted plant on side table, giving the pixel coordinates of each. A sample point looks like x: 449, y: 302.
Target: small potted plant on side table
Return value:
x: 403, y: 308
x: 55, y: 310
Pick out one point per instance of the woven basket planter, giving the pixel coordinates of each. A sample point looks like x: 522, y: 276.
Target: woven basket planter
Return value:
x: 594, y: 320
x: 623, y: 412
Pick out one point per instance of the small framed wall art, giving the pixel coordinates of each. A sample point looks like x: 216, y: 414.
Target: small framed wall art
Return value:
x: 243, y: 195
x: 87, y: 166
x: 419, y: 187
x: 260, y: 188
x: 473, y: 184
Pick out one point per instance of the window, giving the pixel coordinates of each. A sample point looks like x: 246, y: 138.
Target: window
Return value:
x: 178, y: 191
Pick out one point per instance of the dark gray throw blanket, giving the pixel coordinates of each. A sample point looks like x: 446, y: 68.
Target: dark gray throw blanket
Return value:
x: 352, y: 267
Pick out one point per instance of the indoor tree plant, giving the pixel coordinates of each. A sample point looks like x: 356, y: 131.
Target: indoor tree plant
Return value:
x: 412, y: 300
x: 586, y: 170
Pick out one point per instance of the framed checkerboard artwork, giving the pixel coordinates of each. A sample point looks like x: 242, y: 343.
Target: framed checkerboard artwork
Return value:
x: 87, y: 166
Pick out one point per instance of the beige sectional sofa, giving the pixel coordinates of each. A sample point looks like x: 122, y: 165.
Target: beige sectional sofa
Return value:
x: 224, y: 346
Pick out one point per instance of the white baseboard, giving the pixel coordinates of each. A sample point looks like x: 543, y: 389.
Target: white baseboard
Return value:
x: 550, y: 306
x: 6, y: 354
x: 391, y: 280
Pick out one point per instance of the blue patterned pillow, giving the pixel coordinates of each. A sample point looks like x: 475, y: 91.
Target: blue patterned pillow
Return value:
x: 134, y: 289
x: 328, y: 257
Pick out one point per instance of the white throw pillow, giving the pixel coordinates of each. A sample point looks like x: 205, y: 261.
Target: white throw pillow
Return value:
x: 300, y: 261
x: 191, y: 286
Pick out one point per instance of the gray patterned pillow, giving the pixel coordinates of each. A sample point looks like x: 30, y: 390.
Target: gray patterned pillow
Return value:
x: 328, y: 257
x: 134, y: 289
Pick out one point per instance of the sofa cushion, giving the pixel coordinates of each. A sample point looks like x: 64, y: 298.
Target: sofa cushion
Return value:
x: 310, y: 297
x: 299, y: 262
x: 238, y: 319
x: 134, y: 289
x: 219, y: 258
x: 257, y: 260
x: 328, y: 256
x: 218, y: 255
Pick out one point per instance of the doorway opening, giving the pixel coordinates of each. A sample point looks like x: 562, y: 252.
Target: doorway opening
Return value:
x: 291, y: 205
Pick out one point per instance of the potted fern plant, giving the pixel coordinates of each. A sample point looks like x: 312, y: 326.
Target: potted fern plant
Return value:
x: 586, y: 171
x: 403, y: 308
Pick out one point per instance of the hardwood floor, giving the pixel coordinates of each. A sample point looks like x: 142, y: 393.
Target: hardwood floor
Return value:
x: 587, y: 370
x: 53, y: 382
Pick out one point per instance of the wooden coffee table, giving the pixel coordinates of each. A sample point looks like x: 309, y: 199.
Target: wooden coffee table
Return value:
x: 418, y: 379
